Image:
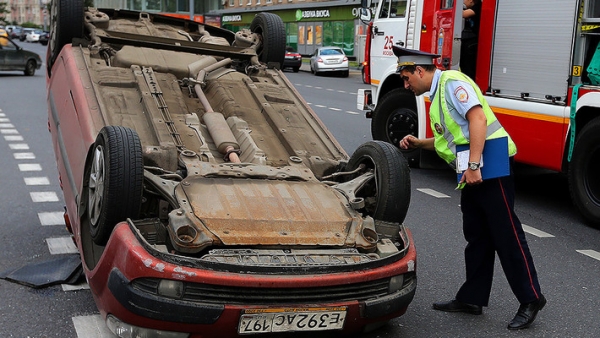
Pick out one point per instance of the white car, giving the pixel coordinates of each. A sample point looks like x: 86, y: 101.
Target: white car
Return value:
x: 33, y: 36
x: 329, y: 59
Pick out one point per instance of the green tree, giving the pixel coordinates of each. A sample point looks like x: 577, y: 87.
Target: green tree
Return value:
x: 3, y: 11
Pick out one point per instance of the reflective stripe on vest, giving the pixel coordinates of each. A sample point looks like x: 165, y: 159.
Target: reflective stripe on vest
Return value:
x: 451, y: 134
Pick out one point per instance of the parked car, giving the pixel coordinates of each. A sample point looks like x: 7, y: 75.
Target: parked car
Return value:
x: 329, y: 59
x: 44, y: 38
x: 292, y: 59
x: 14, y: 31
x: 13, y: 57
x: 24, y: 32
x: 205, y: 196
x: 34, y: 36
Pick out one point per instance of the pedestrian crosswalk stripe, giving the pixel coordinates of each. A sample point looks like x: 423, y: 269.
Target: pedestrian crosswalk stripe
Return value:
x: 30, y: 167
x: 536, y: 232
x: 24, y: 156
x: 36, y: 180
x: 18, y: 146
x: 91, y: 327
x: 433, y: 193
x: 44, y: 196
x: 8, y: 131
x: 61, y: 245
x: 12, y: 138
x: 52, y: 218
x: 6, y: 125
x: 75, y: 287
x: 590, y: 253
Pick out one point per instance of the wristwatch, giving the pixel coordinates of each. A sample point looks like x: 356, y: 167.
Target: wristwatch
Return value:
x: 473, y: 165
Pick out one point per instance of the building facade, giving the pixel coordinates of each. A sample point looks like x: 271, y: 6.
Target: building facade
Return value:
x: 309, y: 24
x: 31, y: 11
x: 176, y: 8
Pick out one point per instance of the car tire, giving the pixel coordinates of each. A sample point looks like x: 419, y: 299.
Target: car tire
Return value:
x: 296, y: 69
x: 30, y: 68
x: 66, y: 23
x: 114, y: 180
x: 395, y: 117
x: 387, y: 196
x: 272, y: 29
x: 584, y: 181
x: 346, y: 73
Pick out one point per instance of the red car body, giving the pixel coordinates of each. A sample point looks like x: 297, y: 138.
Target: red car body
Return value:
x: 144, y: 283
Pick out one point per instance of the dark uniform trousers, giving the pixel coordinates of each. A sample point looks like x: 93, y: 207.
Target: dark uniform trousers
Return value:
x: 490, y: 225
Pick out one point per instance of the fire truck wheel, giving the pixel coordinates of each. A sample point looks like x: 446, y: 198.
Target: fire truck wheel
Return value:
x: 395, y: 117
x: 387, y: 194
x: 584, y: 181
x: 114, y: 180
x: 66, y: 23
x: 272, y: 29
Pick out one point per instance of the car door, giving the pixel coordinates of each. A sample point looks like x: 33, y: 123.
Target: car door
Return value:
x: 13, y: 57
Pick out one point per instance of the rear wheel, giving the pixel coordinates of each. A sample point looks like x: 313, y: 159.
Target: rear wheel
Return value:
x: 387, y: 195
x: 395, y: 117
x: 66, y: 23
x: 114, y: 180
x: 271, y: 28
x: 30, y: 68
x: 584, y: 169
x: 296, y: 69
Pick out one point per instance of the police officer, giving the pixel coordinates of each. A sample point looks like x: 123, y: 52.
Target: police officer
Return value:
x: 460, y: 115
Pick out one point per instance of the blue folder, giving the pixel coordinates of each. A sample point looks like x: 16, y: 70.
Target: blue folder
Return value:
x: 495, y: 158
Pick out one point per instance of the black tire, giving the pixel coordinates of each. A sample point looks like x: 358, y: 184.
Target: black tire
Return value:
x: 66, y: 23
x: 395, y: 117
x: 271, y: 28
x: 115, y: 175
x: 346, y: 73
x: 584, y: 172
x: 387, y: 196
x: 296, y: 69
x: 30, y: 68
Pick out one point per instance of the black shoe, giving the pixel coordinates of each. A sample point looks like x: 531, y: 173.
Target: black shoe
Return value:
x: 457, y: 306
x: 526, y: 314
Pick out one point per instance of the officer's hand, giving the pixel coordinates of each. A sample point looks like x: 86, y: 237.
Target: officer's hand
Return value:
x: 409, y: 142
x: 471, y: 177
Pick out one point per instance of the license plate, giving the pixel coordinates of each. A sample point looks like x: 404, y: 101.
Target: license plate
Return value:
x: 330, y: 62
x: 291, y: 319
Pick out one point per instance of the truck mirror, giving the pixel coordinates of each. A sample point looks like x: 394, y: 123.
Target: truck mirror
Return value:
x: 365, y: 14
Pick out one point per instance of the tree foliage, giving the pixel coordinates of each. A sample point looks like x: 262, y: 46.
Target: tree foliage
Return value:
x: 3, y: 11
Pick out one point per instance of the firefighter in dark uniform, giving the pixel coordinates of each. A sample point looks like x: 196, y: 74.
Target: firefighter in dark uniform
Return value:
x: 460, y: 115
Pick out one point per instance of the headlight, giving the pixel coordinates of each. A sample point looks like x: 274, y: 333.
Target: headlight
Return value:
x: 124, y: 330
x: 396, y: 283
x: 170, y: 288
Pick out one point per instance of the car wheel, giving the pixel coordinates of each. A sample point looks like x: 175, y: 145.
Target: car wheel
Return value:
x: 66, y: 23
x: 345, y: 73
x: 115, y: 177
x: 272, y: 29
x: 387, y: 195
x: 584, y: 181
x: 296, y: 69
x: 395, y: 117
x: 30, y: 68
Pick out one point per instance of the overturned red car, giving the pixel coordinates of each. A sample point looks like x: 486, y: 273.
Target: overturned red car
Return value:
x: 205, y: 197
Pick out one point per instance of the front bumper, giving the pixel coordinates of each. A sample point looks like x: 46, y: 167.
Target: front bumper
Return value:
x: 125, y: 265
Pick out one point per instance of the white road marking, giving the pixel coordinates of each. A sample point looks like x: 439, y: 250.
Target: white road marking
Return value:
x: 433, y: 193
x: 12, y: 138
x: 330, y: 89
x: 30, y: 167
x: 8, y: 131
x: 352, y: 112
x: 590, y: 253
x: 6, y: 125
x: 341, y: 91
x: 75, y: 287
x: 320, y: 106
x: 24, y: 156
x: 318, y: 87
x: 18, y: 146
x: 36, y: 180
x: 61, y: 245
x: 91, y: 327
x: 308, y: 86
x: 43, y: 196
x: 336, y: 109
x: 4, y: 119
x: 536, y: 232
x: 52, y: 218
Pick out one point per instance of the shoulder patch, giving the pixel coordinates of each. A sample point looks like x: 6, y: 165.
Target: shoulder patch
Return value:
x: 461, y: 94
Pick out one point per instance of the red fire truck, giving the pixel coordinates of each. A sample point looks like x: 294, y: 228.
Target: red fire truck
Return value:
x: 538, y: 63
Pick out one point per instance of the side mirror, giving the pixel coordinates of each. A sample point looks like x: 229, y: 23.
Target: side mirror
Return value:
x: 365, y: 14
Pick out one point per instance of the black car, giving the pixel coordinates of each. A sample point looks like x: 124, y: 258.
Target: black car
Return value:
x: 13, y: 57
x: 292, y: 60
x: 44, y: 38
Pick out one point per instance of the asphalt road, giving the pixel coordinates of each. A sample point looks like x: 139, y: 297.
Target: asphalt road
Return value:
x: 563, y: 247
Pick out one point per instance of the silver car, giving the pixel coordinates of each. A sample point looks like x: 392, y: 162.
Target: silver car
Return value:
x: 329, y: 59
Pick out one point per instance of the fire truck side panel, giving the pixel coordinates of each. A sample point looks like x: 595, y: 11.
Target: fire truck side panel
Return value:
x: 532, y: 53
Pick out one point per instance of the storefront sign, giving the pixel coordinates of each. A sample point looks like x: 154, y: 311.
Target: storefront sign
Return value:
x: 231, y: 18
x: 312, y: 14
